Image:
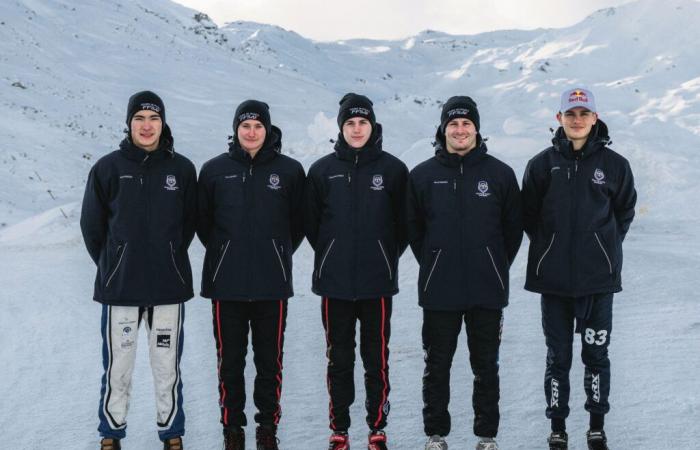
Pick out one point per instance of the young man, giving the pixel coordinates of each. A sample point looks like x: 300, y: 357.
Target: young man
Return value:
x: 354, y: 220
x: 464, y: 227
x: 250, y: 224
x: 138, y: 219
x: 579, y: 199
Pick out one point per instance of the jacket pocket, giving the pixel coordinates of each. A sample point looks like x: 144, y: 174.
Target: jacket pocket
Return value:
x: 324, y: 257
x: 495, y: 268
x: 605, y: 253
x: 386, y: 259
x: 544, y: 255
x: 120, y: 255
x: 436, y: 257
x: 222, y: 254
x: 279, y: 251
x: 172, y: 257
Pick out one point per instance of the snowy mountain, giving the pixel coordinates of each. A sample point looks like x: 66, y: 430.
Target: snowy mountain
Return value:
x: 68, y: 67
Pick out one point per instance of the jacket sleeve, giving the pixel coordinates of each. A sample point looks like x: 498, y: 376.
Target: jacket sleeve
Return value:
x: 297, y: 216
x: 624, y: 201
x: 205, y: 208
x: 415, y: 218
x: 533, y: 192
x: 312, y: 208
x: 399, y: 207
x: 94, y: 215
x: 190, y: 215
x: 512, y: 217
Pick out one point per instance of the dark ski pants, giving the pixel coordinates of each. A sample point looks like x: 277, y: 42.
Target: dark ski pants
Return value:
x: 266, y: 321
x: 440, y: 332
x: 558, y: 317
x: 339, y: 320
x: 120, y: 331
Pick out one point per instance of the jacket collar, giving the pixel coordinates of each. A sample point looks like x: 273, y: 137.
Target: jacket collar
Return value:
x: 165, y: 149
x: 371, y: 150
x: 596, y: 141
x: 270, y: 149
x: 453, y: 159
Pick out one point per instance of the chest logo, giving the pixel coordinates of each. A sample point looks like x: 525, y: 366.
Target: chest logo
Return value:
x: 171, y: 183
x: 274, y: 182
x: 598, y: 177
x: 483, y: 189
x: 377, y: 183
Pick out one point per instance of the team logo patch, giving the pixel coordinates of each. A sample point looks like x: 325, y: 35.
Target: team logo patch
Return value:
x: 151, y: 107
x: 274, y: 182
x: 377, y: 183
x: 458, y: 112
x: 248, y: 116
x: 163, y: 341
x: 127, y: 341
x: 483, y: 189
x: 171, y: 183
x: 578, y: 96
x: 358, y: 111
x: 598, y: 177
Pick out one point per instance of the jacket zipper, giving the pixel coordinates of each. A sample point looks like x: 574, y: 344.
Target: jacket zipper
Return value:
x: 503, y: 286
x: 172, y: 255
x: 388, y: 266
x: 279, y: 257
x: 432, y: 269
x: 323, y: 261
x: 537, y: 271
x: 121, y: 255
x: 221, y: 259
x: 604, y: 252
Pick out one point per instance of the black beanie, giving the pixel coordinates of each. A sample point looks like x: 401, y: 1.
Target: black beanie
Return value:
x: 252, y: 110
x: 355, y: 105
x: 144, y: 100
x: 459, y: 106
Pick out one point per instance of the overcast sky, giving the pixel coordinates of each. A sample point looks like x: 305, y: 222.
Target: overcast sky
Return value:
x: 395, y: 19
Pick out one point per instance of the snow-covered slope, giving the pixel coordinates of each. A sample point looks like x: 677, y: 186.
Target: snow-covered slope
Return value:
x: 68, y: 67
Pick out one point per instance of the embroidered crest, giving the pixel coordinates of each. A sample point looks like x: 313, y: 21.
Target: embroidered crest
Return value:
x: 598, y: 177
x: 483, y: 189
x: 377, y: 183
x: 171, y: 183
x: 274, y: 182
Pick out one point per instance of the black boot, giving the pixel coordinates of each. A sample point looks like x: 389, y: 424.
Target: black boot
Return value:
x: 266, y: 438
x: 597, y: 440
x: 234, y: 438
x: 558, y: 440
x: 173, y: 444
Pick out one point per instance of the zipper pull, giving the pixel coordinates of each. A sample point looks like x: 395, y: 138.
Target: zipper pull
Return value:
x: 357, y: 158
x: 576, y: 166
x: 141, y: 179
x: 251, y: 169
x: 349, y: 177
x: 461, y: 168
x: 568, y: 173
x: 454, y: 185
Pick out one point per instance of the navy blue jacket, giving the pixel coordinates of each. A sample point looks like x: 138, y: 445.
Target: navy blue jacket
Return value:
x: 354, y: 218
x: 250, y: 222
x: 138, y: 219
x: 577, y: 209
x: 464, y: 227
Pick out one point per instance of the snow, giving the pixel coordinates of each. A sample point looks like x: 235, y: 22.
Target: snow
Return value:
x: 67, y: 69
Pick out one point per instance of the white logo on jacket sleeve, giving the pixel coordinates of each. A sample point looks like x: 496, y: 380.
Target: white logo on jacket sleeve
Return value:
x: 598, y: 177
x: 171, y: 183
x: 483, y: 188
x: 377, y: 183
x: 274, y: 182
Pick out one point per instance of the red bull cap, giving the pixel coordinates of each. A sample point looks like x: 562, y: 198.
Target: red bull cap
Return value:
x: 578, y: 97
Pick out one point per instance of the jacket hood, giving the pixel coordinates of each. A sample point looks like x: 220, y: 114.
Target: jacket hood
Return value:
x: 271, y: 148
x: 597, y: 140
x: 369, y: 152
x: 165, y: 148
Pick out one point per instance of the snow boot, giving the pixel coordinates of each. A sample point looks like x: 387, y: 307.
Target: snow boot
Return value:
x: 339, y: 440
x: 110, y: 444
x: 234, y: 439
x: 558, y: 440
x: 597, y: 440
x: 173, y: 444
x: 436, y: 442
x: 486, y: 444
x: 377, y: 440
x: 266, y: 438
